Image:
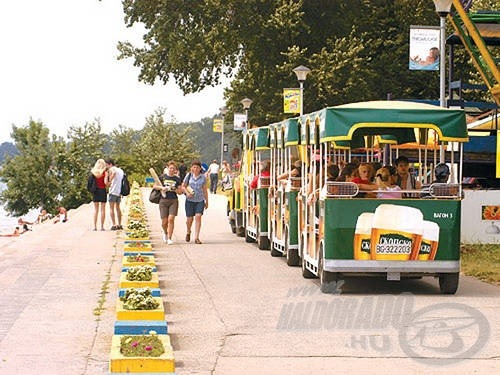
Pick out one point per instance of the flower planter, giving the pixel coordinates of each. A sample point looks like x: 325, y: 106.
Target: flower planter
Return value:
x: 155, y: 314
x: 141, y: 239
x: 140, y: 327
x: 135, y: 252
x: 120, y: 364
x: 150, y: 261
x: 155, y: 292
x: 134, y: 246
x: 153, y: 283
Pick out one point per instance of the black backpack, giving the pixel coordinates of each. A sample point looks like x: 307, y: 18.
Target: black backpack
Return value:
x: 92, y: 184
x: 125, y: 190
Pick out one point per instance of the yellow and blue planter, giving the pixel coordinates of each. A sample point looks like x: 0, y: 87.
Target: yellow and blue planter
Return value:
x: 119, y: 364
x: 153, y: 283
x: 156, y: 314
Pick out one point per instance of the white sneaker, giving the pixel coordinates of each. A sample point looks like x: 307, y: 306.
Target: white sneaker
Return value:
x: 170, y: 242
x: 164, y: 238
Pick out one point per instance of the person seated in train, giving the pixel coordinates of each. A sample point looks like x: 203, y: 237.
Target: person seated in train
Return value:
x: 385, y: 179
x: 405, y: 180
x: 441, y: 174
x: 265, y: 172
x: 364, y: 180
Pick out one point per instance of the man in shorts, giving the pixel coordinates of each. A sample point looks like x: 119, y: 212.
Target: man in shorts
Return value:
x: 114, y: 181
x: 169, y: 204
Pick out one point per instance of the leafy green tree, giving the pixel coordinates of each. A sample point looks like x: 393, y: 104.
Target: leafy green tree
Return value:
x: 74, y: 161
x: 123, y: 144
x: 161, y: 142
x: 258, y: 43
x: 30, y: 176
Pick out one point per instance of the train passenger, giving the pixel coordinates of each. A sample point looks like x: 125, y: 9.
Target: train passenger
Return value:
x: 385, y: 179
x: 405, y: 180
x: 441, y: 173
x: 364, y: 180
x: 264, y: 172
x: 296, y: 171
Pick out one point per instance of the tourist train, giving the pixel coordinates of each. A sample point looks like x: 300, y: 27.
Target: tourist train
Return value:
x: 337, y: 229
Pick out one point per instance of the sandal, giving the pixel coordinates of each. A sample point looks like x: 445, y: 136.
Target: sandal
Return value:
x: 197, y: 241
x: 188, y: 237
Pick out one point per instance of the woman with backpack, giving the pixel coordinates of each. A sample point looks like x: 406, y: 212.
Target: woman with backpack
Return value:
x: 195, y: 188
x: 97, y: 186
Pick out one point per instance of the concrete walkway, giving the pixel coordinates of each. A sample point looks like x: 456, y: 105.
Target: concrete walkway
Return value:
x: 230, y: 308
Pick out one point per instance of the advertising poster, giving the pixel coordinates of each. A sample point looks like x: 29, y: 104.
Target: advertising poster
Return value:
x: 240, y: 121
x: 217, y: 125
x: 291, y: 100
x: 424, y: 48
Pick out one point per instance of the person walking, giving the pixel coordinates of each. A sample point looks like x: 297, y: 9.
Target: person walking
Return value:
x: 169, y: 204
x: 114, y: 181
x: 98, y: 173
x: 182, y: 170
x: 195, y: 188
x: 213, y: 173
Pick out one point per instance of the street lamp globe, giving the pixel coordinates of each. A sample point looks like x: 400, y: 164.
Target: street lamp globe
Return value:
x: 301, y: 71
x: 247, y: 102
x: 443, y: 7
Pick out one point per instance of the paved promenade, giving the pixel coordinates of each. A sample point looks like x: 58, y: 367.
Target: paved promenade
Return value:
x: 230, y: 308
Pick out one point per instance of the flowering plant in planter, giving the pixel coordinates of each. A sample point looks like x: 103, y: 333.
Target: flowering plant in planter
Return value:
x: 136, y: 225
x: 138, y: 233
x: 139, y: 258
x: 136, y: 210
x: 141, y: 345
x: 139, y: 299
x: 140, y: 273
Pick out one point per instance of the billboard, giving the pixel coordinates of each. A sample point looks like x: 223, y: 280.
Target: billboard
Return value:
x: 291, y: 100
x: 424, y: 48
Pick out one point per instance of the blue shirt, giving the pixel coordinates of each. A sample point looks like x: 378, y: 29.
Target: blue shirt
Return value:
x: 197, y: 184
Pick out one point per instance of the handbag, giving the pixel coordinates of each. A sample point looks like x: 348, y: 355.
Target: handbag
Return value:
x: 155, y: 196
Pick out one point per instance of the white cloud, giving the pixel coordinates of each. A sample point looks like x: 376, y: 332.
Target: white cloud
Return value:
x: 59, y: 66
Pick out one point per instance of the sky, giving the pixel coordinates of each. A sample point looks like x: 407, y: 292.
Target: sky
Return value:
x: 59, y: 66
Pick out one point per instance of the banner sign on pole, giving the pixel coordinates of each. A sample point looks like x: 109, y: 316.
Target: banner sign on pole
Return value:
x: 240, y: 121
x: 291, y: 100
x: 217, y: 125
x: 424, y: 48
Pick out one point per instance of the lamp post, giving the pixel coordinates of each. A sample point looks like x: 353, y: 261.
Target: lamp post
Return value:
x: 223, y: 111
x: 301, y: 72
x: 443, y: 7
x: 247, y: 102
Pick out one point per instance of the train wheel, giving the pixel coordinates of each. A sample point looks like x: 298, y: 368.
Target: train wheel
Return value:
x: 305, y: 272
x: 325, y: 278
x: 262, y: 241
x: 292, y: 255
x: 240, y: 231
x: 448, y: 282
x: 248, y: 238
x: 274, y: 252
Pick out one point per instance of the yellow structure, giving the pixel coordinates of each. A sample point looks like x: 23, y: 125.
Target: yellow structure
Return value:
x: 156, y: 314
x: 121, y: 364
x: 153, y: 283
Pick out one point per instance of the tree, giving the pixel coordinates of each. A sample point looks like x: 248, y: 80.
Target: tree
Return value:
x: 123, y: 144
x: 30, y: 178
x: 161, y: 142
x: 75, y: 159
x: 259, y: 42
